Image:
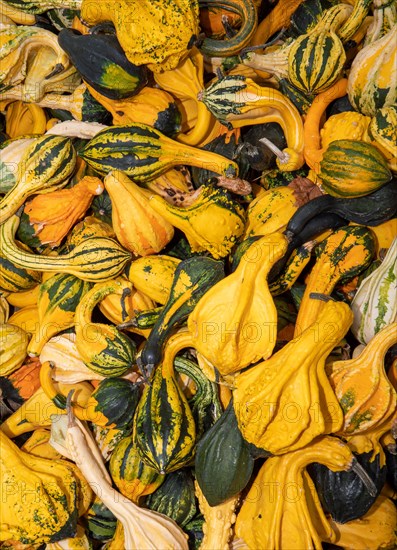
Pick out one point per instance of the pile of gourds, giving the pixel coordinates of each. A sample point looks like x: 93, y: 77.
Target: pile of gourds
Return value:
x: 198, y: 274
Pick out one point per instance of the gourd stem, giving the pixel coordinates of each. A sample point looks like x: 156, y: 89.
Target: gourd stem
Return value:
x: 265, y: 45
x: 364, y: 477
x: 283, y: 157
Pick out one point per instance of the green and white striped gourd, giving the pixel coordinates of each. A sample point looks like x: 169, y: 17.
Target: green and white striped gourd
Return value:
x: 375, y: 303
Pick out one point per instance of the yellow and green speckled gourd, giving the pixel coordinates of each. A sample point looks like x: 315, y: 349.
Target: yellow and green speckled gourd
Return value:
x: 373, y: 75
x: 232, y: 336
x: 283, y: 403
x: 212, y: 221
x: 365, y: 393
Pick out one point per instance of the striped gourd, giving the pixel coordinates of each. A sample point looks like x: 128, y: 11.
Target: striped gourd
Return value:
x: 164, y: 426
x: 294, y: 267
x: 315, y: 61
x: 344, y: 254
x: 11, y: 153
x: 375, y: 303
x: 238, y: 101
x: 57, y: 301
x: 145, y: 153
x: 14, y: 278
x: 104, y: 349
x: 372, y: 81
x: 42, y: 6
x: 383, y: 131
x: 351, y: 168
x: 133, y: 477
x: 46, y: 165
x: 95, y: 259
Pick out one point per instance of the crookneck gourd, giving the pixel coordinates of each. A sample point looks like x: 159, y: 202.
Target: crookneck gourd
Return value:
x: 94, y: 259
x: 144, y: 153
x: 142, y: 528
x: 46, y: 165
x: 212, y: 220
x: 375, y: 302
x: 232, y: 336
x: 193, y: 278
x: 362, y: 387
x: 103, y: 348
x: 238, y: 101
x: 164, y: 426
x: 14, y: 342
x: 340, y: 257
x: 287, y: 512
x: 283, y: 403
x: 138, y: 227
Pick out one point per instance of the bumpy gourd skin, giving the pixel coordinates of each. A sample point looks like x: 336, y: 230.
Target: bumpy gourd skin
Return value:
x: 151, y: 32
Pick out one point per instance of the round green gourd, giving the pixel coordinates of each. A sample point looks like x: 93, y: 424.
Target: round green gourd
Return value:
x: 351, y: 168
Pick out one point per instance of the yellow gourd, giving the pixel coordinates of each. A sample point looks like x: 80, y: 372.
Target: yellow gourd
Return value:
x: 233, y: 335
x: 283, y: 403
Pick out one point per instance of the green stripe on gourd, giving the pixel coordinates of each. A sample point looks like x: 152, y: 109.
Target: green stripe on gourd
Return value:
x: 225, y: 96
x: 164, y: 425
x: 104, y: 349
x: 94, y: 260
x: 375, y: 303
x: 42, y: 6
x: 131, y: 475
x: 315, y: 61
x: 145, y: 153
x: 45, y: 166
x: 351, y: 168
x: 14, y: 278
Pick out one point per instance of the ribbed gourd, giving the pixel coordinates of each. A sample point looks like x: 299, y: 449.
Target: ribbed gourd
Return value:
x: 382, y: 130
x: 46, y: 165
x: 372, y: 78
x: 283, y: 403
x: 138, y: 227
x: 94, y: 259
x: 374, y: 305
x: 144, y: 153
x: 365, y: 393
x: 351, y: 168
x: 57, y: 301
x: 164, y: 426
x: 104, y: 349
x: 231, y: 336
x: 16, y: 279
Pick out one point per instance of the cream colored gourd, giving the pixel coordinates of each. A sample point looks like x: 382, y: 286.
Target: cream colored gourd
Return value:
x: 375, y: 303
